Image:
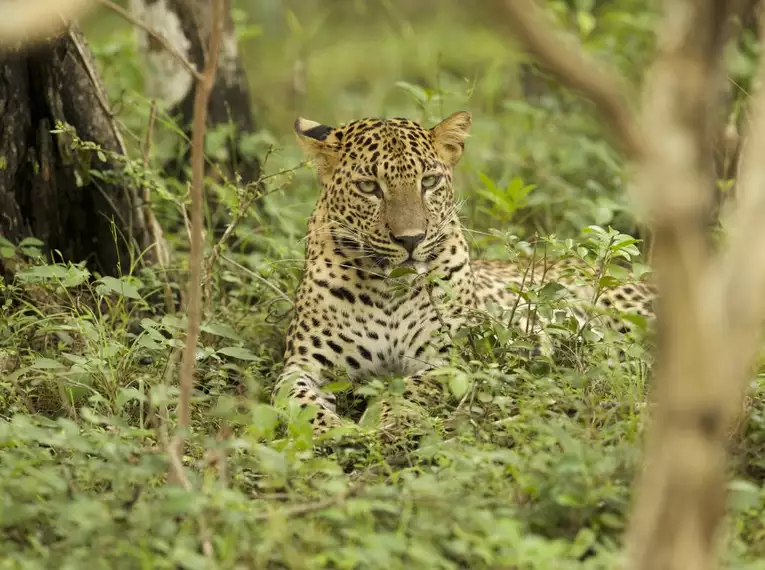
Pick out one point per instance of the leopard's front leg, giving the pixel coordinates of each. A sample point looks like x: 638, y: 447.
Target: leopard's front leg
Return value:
x: 395, y: 415
x: 303, y: 385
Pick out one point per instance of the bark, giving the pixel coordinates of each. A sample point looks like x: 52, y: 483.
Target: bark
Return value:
x: 186, y: 25
x: 46, y: 190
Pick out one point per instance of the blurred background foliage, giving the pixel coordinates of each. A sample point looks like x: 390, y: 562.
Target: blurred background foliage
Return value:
x: 537, y: 160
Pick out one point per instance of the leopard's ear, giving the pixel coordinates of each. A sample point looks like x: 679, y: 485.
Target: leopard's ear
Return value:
x: 312, y: 137
x: 449, y: 136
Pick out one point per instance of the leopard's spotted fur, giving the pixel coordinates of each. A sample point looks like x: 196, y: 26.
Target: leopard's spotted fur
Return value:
x: 387, y: 201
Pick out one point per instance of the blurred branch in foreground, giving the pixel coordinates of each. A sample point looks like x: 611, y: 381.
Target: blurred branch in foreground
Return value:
x: 29, y: 22
x: 711, y: 308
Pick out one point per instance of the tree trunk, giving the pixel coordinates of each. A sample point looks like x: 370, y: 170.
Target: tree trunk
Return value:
x: 47, y: 189
x: 185, y: 24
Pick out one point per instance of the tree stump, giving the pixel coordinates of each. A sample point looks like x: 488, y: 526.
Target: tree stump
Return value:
x: 75, y: 200
x: 185, y: 24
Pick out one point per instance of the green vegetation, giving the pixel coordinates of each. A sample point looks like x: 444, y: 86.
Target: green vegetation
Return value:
x: 528, y: 465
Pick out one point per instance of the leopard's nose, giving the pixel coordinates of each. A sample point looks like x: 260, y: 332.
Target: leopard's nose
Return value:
x: 408, y: 242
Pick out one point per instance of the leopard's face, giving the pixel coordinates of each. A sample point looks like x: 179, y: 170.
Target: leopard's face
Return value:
x: 387, y: 186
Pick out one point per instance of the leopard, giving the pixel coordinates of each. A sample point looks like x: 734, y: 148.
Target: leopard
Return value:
x: 386, y: 215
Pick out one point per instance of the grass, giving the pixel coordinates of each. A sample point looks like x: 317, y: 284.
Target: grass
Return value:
x: 529, y: 462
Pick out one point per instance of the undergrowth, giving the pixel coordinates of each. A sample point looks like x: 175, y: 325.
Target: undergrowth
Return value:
x: 527, y: 464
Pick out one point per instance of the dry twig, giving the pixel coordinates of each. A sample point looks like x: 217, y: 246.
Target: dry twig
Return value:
x: 186, y: 380
x: 243, y: 210
x: 301, y: 510
x: 157, y: 36
x: 155, y: 229
x: 282, y: 295
x: 204, y: 87
x: 175, y: 453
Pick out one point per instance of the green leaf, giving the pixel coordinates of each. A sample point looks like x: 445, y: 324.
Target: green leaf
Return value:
x: 418, y: 93
x: 125, y: 395
x: 147, y: 341
x: 238, y: 352
x: 120, y: 287
x: 75, y: 358
x: 608, y: 281
x: 459, y: 384
x: 42, y: 273
x: 219, y: 329
x: 623, y: 240
x: 371, y: 417
x: 250, y: 32
x: 586, y: 23
x: 401, y: 271
x: 337, y: 386
x: 488, y: 183
x: 41, y: 363
x: 743, y: 495
x: 593, y: 229
x: 264, y: 419
x: 552, y: 291
x: 294, y: 24
x: 31, y: 242
x: 637, y: 320
x: 603, y: 214
x: 640, y: 269
x: 591, y: 334
x: 584, y: 541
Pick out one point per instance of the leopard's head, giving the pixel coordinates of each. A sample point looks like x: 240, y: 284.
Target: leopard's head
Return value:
x: 387, y: 185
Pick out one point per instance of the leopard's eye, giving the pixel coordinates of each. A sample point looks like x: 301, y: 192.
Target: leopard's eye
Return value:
x: 369, y: 187
x: 430, y: 181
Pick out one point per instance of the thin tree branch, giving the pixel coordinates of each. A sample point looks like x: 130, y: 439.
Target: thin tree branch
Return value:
x: 706, y: 322
x: 175, y: 453
x: 157, y: 36
x: 202, y: 96
x: 301, y: 510
x: 188, y: 363
x: 264, y: 281
x: 98, y: 88
x: 574, y: 68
